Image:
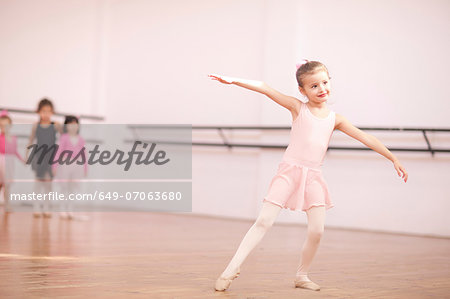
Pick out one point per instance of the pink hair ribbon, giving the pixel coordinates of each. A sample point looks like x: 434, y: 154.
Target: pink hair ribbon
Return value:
x: 304, y: 61
x: 4, y: 112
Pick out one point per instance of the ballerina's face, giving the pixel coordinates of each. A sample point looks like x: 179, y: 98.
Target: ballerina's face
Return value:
x: 5, y: 124
x: 72, y: 128
x: 316, y: 86
x: 46, y: 113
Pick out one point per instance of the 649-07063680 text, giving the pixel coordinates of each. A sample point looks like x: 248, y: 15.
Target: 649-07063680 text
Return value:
x: 99, y: 195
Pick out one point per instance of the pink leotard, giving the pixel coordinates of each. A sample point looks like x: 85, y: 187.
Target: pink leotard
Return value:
x: 65, y: 144
x: 8, y: 149
x: 299, y: 183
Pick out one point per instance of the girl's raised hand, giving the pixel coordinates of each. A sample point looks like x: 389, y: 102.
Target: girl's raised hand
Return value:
x: 221, y: 79
x: 400, y: 170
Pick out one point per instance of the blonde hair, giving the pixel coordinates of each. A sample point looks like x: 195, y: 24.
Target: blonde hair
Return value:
x: 309, y: 68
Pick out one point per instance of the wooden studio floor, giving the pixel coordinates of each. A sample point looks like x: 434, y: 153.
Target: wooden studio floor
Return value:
x: 159, y: 255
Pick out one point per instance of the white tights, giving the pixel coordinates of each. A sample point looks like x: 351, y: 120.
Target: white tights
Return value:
x: 41, y: 187
x: 265, y: 220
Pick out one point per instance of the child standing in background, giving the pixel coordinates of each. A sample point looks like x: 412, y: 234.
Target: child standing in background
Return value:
x: 44, y: 131
x: 8, y: 148
x: 68, y: 176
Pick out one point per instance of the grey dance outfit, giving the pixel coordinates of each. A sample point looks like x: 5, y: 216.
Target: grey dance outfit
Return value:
x: 44, y: 136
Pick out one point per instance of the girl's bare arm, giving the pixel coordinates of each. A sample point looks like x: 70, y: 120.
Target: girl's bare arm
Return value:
x: 59, y: 127
x: 344, y: 125
x: 30, y: 141
x: 288, y: 102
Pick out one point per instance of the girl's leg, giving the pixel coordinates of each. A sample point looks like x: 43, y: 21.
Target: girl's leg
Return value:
x: 63, y: 188
x: 263, y: 223
x: 6, y: 197
x: 316, y: 222
x: 47, y: 186
x: 38, y: 187
x: 42, y: 185
x: 71, y: 188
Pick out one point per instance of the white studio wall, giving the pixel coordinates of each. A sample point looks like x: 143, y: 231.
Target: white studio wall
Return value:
x: 49, y: 50
x: 147, y: 62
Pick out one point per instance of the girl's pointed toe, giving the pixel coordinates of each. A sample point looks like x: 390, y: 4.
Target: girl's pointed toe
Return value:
x: 223, y: 283
x: 307, y: 285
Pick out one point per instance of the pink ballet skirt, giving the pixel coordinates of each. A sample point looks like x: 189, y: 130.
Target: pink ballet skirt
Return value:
x: 298, y: 187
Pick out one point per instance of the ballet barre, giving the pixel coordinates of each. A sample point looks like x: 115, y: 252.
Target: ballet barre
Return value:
x: 226, y: 143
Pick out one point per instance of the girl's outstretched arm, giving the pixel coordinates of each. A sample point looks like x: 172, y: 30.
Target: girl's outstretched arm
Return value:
x: 288, y: 102
x: 344, y: 125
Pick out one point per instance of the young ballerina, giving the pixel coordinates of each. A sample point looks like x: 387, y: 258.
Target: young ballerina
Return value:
x: 68, y: 176
x: 44, y: 131
x: 299, y: 184
x: 8, y: 148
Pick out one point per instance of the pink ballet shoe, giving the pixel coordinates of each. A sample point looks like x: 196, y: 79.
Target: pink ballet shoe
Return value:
x: 223, y: 283
x: 306, y: 285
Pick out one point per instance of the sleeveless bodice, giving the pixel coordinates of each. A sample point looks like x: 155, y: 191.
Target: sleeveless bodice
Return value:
x: 46, y: 135
x: 309, y: 138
